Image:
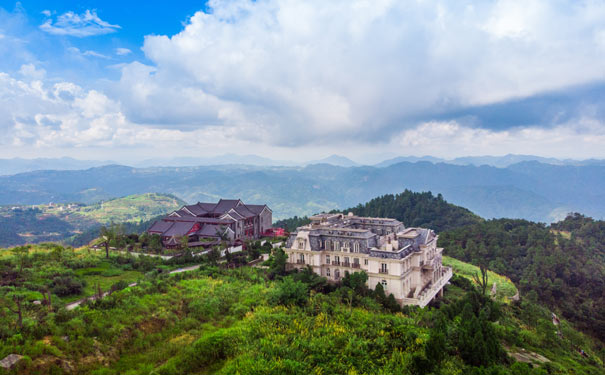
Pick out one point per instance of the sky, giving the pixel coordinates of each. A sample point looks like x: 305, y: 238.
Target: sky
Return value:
x: 293, y: 80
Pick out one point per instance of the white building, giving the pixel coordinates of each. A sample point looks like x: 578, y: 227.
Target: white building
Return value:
x: 406, y: 261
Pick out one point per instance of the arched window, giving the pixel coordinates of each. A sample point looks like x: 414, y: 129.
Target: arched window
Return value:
x: 328, y: 245
x: 355, y: 247
x: 328, y: 272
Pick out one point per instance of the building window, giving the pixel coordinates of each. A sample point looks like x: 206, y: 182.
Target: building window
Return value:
x: 337, y: 274
x: 337, y: 260
x: 365, y: 262
x: 327, y: 259
x: 336, y: 246
x: 328, y: 272
x: 328, y: 245
x: 356, y: 247
x: 383, y: 268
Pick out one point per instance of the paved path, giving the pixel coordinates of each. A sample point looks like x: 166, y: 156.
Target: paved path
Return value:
x: 73, y: 305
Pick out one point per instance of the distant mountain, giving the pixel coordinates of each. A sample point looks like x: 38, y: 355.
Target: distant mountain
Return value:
x: 529, y: 190
x: 507, y: 160
x: 336, y: 160
x: 227, y: 159
x: 19, y: 165
x: 410, y: 159
x: 494, y: 161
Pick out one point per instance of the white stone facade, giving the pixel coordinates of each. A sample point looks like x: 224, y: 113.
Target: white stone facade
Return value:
x: 406, y: 261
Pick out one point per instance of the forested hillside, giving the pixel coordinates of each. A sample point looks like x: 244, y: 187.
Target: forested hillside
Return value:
x: 562, y: 266
x: 219, y: 320
x: 412, y: 209
x: 418, y: 210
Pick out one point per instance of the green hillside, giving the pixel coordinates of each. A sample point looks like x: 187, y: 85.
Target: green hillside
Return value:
x: 411, y: 208
x: 562, y: 266
x: 58, y: 222
x: 254, y: 321
x: 132, y: 208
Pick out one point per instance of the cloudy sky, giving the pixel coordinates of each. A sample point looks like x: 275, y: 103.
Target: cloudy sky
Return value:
x: 300, y: 80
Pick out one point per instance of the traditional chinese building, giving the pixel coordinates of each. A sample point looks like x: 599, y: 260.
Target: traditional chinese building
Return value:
x: 205, y: 224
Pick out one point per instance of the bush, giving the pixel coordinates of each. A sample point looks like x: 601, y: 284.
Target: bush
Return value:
x: 289, y: 292
x: 66, y: 286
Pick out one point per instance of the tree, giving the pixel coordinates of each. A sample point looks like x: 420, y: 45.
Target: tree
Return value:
x: 107, y: 234
x: 481, y: 280
x: 14, y: 301
x: 214, y: 255
x: 184, y: 242
x: 356, y: 281
x: 21, y: 252
x: 278, y: 265
x: 290, y: 292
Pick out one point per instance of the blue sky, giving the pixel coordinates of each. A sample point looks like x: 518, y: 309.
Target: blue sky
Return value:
x: 297, y: 80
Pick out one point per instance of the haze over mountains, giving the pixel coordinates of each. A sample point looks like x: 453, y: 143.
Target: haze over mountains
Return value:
x: 20, y: 165
x: 530, y: 189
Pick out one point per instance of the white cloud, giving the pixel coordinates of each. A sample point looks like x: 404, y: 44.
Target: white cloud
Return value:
x: 318, y: 71
x: 90, y: 53
x: 30, y: 71
x: 122, y: 51
x: 78, y: 25
x: 346, y: 77
x: 583, y: 138
x: 46, y: 12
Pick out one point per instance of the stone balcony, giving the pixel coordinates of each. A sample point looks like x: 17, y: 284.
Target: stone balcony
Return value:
x: 428, y: 294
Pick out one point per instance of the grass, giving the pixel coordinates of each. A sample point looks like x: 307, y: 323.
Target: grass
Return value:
x: 504, y: 286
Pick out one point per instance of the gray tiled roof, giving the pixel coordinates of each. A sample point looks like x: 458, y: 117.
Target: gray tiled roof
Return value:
x: 196, y: 209
x: 180, y: 228
x: 225, y: 205
x: 195, y: 219
x: 160, y: 226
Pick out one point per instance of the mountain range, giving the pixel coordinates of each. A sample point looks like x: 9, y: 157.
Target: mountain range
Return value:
x: 20, y: 165
x: 529, y: 190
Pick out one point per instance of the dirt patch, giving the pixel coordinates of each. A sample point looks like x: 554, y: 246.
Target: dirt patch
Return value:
x: 526, y: 356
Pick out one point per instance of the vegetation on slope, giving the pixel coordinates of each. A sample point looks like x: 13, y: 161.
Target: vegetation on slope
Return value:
x: 413, y: 209
x: 254, y: 321
x: 58, y: 222
x: 418, y: 210
x: 562, y: 266
x: 132, y: 208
